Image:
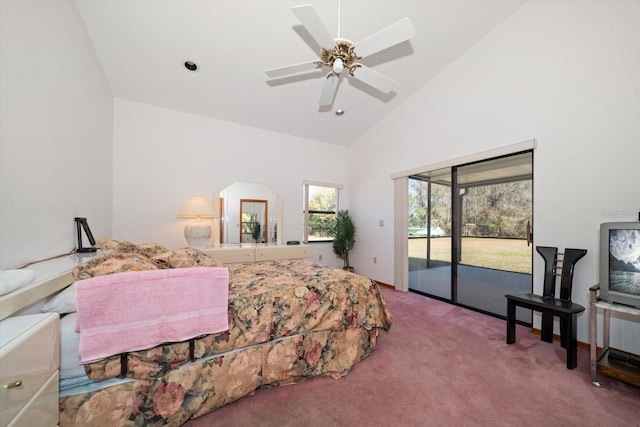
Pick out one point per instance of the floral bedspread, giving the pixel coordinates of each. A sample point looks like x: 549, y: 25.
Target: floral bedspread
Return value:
x: 268, y: 300
x: 195, y: 389
x: 289, y: 320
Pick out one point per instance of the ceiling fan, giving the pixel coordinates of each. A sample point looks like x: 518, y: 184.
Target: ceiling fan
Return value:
x: 341, y: 54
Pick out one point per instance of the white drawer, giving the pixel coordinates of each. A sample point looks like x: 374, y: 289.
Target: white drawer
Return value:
x: 281, y: 252
x: 231, y: 255
x: 42, y: 409
x: 29, y: 354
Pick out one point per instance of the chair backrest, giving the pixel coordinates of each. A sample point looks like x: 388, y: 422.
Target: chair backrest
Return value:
x: 553, y: 260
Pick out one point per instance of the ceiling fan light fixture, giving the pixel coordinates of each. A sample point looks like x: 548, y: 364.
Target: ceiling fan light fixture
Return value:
x: 339, y: 54
x: 338, y: 66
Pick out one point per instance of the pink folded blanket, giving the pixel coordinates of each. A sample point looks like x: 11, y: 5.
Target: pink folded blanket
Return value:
x: 139, y: 310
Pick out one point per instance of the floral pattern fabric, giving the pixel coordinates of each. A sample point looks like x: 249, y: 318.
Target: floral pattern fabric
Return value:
x: 185, y: 257
x: 114, y: 263
x: 127, y: 256
x: 195, y: 389
x: 268, y: 300
x: 288, y: 320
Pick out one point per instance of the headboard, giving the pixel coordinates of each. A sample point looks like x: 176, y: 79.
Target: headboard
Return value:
x: 51, y: 276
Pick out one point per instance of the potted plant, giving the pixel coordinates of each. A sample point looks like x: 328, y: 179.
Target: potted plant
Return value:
x: 344, y: 237
x: 256, y: 232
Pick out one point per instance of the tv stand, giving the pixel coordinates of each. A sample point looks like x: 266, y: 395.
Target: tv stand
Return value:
x: 610, y: 361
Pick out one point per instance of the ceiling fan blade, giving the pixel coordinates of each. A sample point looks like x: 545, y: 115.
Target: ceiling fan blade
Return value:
x: 329, y: 90
x: 389, y: 36
x: 375, y: 79
x: 291, y: 69
x: 311, y: 20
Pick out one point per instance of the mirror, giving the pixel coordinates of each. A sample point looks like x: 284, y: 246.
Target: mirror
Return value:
x: 253, y: 217
x: 243, y: 204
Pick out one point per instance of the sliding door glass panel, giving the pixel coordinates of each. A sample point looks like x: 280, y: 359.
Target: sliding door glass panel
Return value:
x: 494, y: 252
x: 429, y: 233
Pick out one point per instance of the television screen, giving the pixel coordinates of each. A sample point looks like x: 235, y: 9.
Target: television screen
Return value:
x: 624, y: 261
x: 620, y: 263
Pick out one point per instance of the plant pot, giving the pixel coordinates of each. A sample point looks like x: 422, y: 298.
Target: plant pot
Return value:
x: 349, y: 269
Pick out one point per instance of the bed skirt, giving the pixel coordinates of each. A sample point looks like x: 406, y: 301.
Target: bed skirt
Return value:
x: 197, y: 388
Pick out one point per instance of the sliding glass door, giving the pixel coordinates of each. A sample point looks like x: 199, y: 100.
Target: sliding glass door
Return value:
x: 494, y: 253
x: 469, y: 233
x: 430, y: 233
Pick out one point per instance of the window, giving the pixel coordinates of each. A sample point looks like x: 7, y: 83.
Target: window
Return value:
x: 321, y: 202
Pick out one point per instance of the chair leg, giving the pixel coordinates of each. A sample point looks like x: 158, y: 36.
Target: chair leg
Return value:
x: 546, y: 334
x: 511, y: 322
x: 571, y: 332
x: 563, y: 336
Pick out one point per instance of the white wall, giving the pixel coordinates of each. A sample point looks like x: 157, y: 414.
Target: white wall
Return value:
x: 564, y: 73
x: 55, y: 131
x: 162, y: 156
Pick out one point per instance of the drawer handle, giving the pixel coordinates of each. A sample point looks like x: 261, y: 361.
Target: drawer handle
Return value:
x: 14, y: 384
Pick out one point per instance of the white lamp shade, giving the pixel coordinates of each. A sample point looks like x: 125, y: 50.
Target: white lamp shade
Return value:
x: 197, y: 207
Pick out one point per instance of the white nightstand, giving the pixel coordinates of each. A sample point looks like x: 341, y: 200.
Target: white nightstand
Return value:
x: 29, y: 363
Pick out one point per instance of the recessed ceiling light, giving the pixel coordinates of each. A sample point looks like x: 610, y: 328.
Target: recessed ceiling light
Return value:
x: 190, y: 65
x: 339, y: 112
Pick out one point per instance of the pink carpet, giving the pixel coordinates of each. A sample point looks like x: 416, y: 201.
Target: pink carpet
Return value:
x: 442, y: 365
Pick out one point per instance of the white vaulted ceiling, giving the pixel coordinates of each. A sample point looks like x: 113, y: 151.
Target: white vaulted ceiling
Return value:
x: 142, y: 45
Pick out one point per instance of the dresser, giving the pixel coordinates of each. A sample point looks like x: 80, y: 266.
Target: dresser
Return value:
x: 230, y: 254
x: 29, y: 363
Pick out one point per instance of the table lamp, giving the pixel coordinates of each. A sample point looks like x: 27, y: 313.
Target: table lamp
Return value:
x: 197, y: 232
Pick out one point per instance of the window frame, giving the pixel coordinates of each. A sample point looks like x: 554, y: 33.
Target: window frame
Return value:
x: 306, y: 211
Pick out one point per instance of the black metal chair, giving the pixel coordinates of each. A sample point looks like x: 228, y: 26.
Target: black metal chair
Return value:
x: 549, y: 305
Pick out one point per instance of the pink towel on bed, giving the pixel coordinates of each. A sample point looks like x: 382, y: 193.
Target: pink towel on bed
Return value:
x: 138, y: 310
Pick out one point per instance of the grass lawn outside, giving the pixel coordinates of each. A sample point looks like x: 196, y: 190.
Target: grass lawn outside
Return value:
x: 500, y: 254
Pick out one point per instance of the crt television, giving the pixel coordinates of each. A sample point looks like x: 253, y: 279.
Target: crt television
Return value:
x: 620, y: 263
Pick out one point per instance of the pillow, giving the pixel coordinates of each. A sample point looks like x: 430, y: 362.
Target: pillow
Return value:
x: 110, y: 264
x: 151, y: 249
x: 186, y: 257
x: 124, y: 247
x: 105, y: 243
x: 10, y: 280
x: 63, y: 302
x: 147, y: 249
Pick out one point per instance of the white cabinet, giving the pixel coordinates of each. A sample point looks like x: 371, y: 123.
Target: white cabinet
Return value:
x: 230, y: 254
x: 29, y: 363
x: 51, y: 276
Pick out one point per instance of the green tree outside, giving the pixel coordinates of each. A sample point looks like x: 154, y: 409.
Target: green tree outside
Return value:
x: 323, y: 201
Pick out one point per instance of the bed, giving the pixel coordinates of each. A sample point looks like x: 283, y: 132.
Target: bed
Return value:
x: 288, y: 320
